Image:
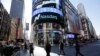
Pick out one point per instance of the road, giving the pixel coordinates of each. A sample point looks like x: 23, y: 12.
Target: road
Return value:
x: 92, y: 49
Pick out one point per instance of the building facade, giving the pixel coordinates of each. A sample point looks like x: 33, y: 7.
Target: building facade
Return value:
x: 87, y: 27
x: 92, y: 31
x: 14, y: 32
x: 16, y: 12
x: 17, y: 8
x: 72, y: 22
x: 47, y: 21
x: 58, y: 20
x: 5, y: 23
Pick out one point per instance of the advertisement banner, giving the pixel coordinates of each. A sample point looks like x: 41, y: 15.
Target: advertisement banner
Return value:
x: 47, y: 14
x: 48, y: 17
x: 70, y: 36
x: 47, y: 9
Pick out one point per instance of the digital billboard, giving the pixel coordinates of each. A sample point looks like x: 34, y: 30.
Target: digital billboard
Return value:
x: 48, y: 14
x: 70, y: 36
x: 73, y: 21
x: 49, y: 5
x: 47, y: 9
x: 45, y: 4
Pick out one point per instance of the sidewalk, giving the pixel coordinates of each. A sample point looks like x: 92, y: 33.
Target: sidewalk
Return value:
x: 38, y: 51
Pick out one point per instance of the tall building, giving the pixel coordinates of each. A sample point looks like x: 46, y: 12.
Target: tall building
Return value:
x: 47, y: 21
x: 81, y: 9
x: 12, y: 35
x: 5, y: 23
x: 17, y: 8
x: 17, y: 12
x: 57, y: 20
x: 87, y: 27
x: 92, y: 31
x: 71, y: 17
x: 84, y: 20
x: 72, y: 22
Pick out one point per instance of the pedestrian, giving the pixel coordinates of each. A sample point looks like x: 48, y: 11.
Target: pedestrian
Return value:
x: 25, y: 47
x: 48, y: 48
x: 31, y: 49
x: 8, y: 51
x: 77, y: 47
x: 1, y: 49
x: 61, y: 47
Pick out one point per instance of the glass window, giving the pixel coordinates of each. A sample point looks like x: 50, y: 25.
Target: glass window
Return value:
x: 40, y: 26
x: 48, y: 25
x: 52, y: 0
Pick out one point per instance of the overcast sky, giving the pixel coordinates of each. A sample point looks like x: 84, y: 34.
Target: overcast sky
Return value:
x: 91, y: 8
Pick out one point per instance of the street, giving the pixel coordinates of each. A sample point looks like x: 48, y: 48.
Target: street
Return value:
x: 49, y: 28
x: 91, y: 49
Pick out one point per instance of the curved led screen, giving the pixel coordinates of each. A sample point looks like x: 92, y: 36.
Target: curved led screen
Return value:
x: 48, y: 14
x: 47, y: 9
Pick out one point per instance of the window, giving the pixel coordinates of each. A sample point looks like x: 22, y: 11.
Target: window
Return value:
x: 48, y: 25
x: 40, y: 26
x: 0, y: 15
x: 56, y: 26
x: 20, y: 0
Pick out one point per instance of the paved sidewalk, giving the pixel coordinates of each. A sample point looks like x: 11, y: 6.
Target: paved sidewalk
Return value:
x: 38, y: 51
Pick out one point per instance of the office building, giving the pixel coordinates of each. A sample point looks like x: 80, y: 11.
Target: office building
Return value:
x: 57, y: 20
x: 12, y: 35
x: 17, y: 8
x: 16, y: 11
x: 72, y: 22
x: 5, y: 22
x: 87, y: 27
x: 47, y: 21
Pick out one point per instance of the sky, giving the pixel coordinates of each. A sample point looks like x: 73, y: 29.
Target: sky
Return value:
x: 92, y: 11
x: 91, y: 8
x: 27, y: 14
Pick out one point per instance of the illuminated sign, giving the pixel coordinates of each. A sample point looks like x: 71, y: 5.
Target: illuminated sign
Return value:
x: 47, y: 9
x: 48, y: 16
x: 45, y: 17
x: 70, y: 36
x: 53, y: 5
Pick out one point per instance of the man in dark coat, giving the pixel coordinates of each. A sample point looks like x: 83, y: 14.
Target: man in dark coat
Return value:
x: 8, y: 51
x: 48, y: 48
x: 77, y: 47
x: 62, y: 48
x: 31, y: 49
x: 1, y: 49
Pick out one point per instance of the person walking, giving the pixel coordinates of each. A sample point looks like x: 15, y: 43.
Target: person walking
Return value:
x: 77, y: 47
x: 31, y: 49
x: 25, y: 47
x: 1, y: 49
x: 48, y: 48
x: 61, y: 47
